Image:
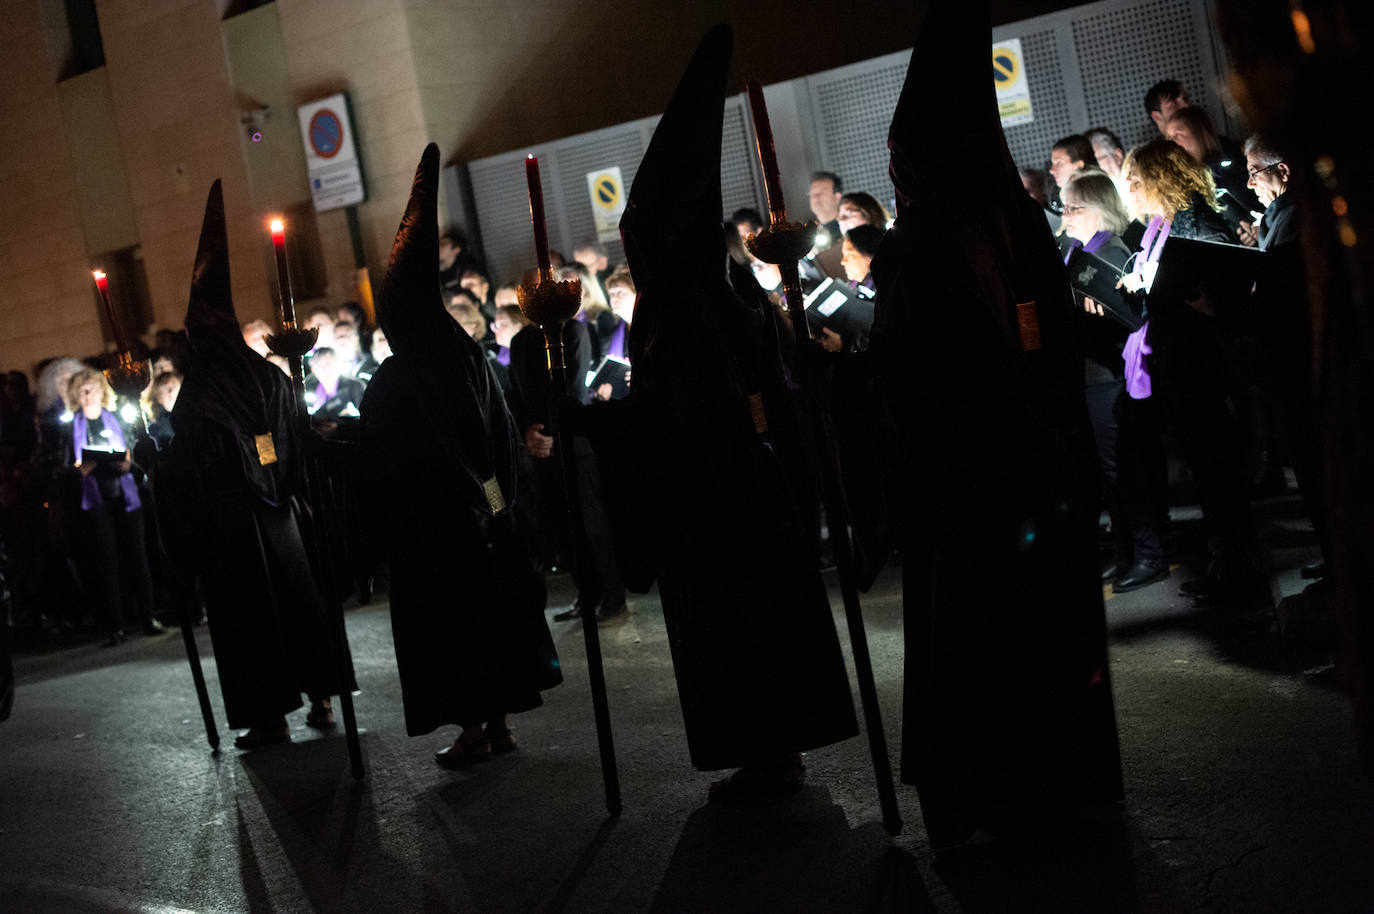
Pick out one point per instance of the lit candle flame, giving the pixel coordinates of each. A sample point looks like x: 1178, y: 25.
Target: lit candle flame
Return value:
x: 277, y: 227
x: 98, y: 274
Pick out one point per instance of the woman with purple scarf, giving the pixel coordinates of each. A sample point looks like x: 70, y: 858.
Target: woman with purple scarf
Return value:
x: 1129, y: 449
x: 110, y: 526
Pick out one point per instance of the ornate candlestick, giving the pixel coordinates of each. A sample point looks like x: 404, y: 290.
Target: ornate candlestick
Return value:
x: 128, y: 377
x: 784, y: 243
x: 292, y: 343
x: 549, y: 304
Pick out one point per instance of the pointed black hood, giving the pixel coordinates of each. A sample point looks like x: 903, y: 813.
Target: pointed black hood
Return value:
x: 948, y: 107
x: 412, y: 311
x: 227, y: 383
x: 674, y: 209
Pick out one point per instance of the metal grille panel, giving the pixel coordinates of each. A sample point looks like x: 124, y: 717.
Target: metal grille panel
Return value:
x: 502, y: 202
x: 1030, y: 144
x: 623, y: 147
x: 1116, y: 66
x: 853, y: 109
x: 739, y: 183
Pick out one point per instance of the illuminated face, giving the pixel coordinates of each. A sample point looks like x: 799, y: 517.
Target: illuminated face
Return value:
x: 1081, y: 222
x: 767, y: 274
x: 1167, y: 107
x: 1179, y: 133
x: 166, y: 395
x: 325, y: 368
x: 381, y: 347
x: 448, y: 253
x: 1267, y: 181
x: 1140, y: 198
x: 850, y: 215
x: 325, y: 324
x: 346, y: 341
x: 855, y: 263
x: 1061, y: 166
x: 256, y: 338
x: 622, y: 299
x: 504, y: 329
x: 89, y: 397
x: 162, y: 365
x: 825, y: 201
x: 475, y: 283
x: 1108, y: 159
x: 507, y: 296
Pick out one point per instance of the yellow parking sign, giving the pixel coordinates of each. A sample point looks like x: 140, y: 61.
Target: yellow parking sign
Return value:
x: 606, y: 188
x: 1009, y: 78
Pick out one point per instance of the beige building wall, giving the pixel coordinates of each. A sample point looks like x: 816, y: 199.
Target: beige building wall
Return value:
x: 47, y: 300
x: 178, y: 129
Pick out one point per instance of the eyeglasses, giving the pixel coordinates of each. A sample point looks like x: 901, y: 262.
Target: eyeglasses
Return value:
x: 1259, y: 171
x: 1070, y: 209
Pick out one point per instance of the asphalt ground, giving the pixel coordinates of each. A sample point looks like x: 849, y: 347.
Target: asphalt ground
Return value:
x: 1243, y: 789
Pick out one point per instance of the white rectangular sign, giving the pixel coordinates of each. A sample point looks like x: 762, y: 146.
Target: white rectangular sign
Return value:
x: 607, y: 191
x: 1009, y: 76
x: 331, y: 156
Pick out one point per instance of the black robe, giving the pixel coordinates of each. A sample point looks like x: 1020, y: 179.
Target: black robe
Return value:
x: 467, y: 607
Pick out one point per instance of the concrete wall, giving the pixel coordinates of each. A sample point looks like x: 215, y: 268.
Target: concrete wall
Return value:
x: 47, y: 299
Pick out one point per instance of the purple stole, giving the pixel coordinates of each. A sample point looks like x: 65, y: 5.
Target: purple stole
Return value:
x: 90, y: 489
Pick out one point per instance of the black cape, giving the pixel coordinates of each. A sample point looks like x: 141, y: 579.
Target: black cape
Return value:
x: 467, y: 607
x: 234, y: 520
x: 701, y: 500
x: 973, y: 384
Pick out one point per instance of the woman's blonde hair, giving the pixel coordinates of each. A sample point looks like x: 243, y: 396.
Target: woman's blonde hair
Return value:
x: 107, y: 399
x: 593, y: 299
x: 468, y: 316
x: 1169, y: 176
x: 1092, y: 188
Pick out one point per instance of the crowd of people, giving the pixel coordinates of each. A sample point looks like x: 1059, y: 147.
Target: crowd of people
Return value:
x: 1207, y: 365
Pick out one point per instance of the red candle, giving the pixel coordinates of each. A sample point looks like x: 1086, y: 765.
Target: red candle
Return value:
x: 288, y: 306
x: 541, y: 234
x: 103, y: 284
x: 768, y: 156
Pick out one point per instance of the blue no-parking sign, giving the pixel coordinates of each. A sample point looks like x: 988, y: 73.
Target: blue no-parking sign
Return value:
x: 331, y: 156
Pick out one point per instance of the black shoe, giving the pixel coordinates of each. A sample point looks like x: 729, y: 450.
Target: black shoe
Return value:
x: 153, y: 627
x: 568, y: 613
x: 1140, y: 575
x: 1111, y: 570
x: 259, y: 737
x: 606, y: 611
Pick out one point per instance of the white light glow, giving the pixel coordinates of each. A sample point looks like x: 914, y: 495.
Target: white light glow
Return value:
x: 128, y: 412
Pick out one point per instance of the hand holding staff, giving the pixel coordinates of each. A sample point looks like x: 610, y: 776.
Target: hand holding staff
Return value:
x: 784, y: 243
x: 550, y: 305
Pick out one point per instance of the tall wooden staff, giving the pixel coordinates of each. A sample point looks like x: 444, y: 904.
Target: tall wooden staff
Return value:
x: 784, y: 243
x: 292, y: 343
x: 129, y: 379
x: 550, y: 304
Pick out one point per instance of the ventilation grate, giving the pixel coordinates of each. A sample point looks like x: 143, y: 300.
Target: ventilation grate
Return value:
x: 853, y: 112
x: 1030, y: 144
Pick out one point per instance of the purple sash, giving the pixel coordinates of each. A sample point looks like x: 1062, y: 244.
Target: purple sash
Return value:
x: 1138, y: 384
x: 616, y: 344
x: 90, y: 489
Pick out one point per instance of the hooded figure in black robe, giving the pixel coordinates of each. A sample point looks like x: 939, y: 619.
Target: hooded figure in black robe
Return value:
x: 989, y: 486
x: 701, y: 502
x: 467, y: 607
x: 227, y: 488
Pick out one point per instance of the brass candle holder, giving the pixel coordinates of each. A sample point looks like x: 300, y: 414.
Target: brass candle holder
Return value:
x: 549, y: 304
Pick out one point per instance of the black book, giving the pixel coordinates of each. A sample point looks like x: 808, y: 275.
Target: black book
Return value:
x: 99, y: 456
x: 837, y: 307
x: 612, y: 371
x: 1092, y: 277
x: 1224, y: 272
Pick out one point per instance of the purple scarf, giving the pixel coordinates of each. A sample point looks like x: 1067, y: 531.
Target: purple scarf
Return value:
x: 616, y: 345
x: 503, y: 356
x: 90, y: 489
x: 1138, y: 383
x: 1092, y: 247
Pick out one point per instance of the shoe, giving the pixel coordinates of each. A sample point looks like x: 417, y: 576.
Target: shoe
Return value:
x: 154, y: 627
x: 117, y: 637
x: 259, y: 737
x: 461, y: 754
x: 607, y: 613
x: 1111, y: 570
x: 1140, y: 575
x: 568, y: 613
x: 760, y: 783
x: 502, y: 741
x: 320, y: 716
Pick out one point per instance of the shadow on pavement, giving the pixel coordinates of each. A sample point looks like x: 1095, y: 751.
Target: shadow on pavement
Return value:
x: 797, y: 855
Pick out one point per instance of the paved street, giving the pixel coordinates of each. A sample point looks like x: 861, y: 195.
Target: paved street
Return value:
x: 1243, y: 793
